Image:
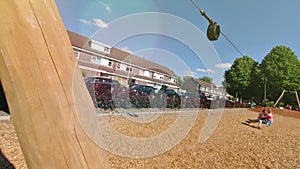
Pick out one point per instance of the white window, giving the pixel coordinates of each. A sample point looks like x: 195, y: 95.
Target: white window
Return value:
x: 123, y: 67
x: 141, y: 72
x: 76, y: 53
x: 99, y: 46
x: 155, y: 75
x: 171, y: 79
x: 104, y: 62
x: 146, y: 73
x: 129, y: 69
x: 110, y: 63
x: 158, y: 76
x: 95, y: 59
x: 106, y: 49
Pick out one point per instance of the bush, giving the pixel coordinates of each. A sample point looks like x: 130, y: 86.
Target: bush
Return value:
x: 281, y: 104
x: 269, y: 104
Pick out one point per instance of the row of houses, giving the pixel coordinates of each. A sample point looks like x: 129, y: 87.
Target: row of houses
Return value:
x: 98, y: 59
x: 198, y: 86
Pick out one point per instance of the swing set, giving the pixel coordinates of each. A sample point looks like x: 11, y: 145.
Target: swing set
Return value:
x: 284, y: 91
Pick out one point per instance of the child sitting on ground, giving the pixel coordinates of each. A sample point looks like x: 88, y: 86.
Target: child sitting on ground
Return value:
x: 263, y: 118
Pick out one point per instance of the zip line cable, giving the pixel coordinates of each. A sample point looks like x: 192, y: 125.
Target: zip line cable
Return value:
x: 202, y: 12
x: 216, y: 30
x: 236, y: 48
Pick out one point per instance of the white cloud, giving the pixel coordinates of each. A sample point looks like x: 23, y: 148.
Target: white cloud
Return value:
x: 107, y: 7
x: 205, y: 70
x: 126, y: 49
x: 85, y: 21
x: 96, y: 21
x: 223, y: 65
x: 100, y: 23
x: 190, y: 73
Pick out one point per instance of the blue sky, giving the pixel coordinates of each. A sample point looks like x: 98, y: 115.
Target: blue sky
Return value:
x: 173, y: 32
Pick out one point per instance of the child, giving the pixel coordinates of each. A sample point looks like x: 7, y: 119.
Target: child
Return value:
x: 263, y: 118
x: 269, y: 119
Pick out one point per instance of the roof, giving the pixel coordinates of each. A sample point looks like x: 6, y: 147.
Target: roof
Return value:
x: 198, y: 81
x: 82, y: 42
x: 203, y: 83
x: 139, y: 61
x: 77, y: 40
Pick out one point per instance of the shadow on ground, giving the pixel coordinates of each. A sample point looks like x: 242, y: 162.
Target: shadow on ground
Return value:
x: 247, y: 124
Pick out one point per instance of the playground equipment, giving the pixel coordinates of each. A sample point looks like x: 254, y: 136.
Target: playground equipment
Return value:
x: 213, y: 30
x: 37, y: 69
x: 284, y: 91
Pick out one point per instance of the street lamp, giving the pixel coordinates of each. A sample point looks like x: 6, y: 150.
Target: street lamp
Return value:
x: 213, y: 30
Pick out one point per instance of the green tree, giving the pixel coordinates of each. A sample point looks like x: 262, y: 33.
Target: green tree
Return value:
x: 239, y: 77
x: 185, y: 78
x: 178, y: 81
x: 206, y: 79
x: 281, y: 67
x: 255, y: 90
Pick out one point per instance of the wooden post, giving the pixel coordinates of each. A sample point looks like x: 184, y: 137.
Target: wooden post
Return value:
x: 297, y: 97
x: 37, y: 68
x: 279, y: 98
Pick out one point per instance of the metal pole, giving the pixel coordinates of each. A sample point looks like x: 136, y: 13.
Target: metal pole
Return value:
x: 265, y: 90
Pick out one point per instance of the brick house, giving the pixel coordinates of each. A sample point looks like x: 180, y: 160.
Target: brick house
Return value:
x: 98, y: 59
x: 197, y: 86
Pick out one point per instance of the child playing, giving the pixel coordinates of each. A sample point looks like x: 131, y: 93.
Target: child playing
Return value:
x: 263, y: 118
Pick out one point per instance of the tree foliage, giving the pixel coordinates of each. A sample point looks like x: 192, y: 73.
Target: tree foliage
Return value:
x: 255, y: 90
x: 279, y: 70
x: 178, y: 81
x: 206, y: 79
x: 185, y: 78
x: 281, y: 67
x: 238, y: 77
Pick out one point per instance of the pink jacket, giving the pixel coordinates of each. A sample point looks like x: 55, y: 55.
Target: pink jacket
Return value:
x: 270, y: 116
